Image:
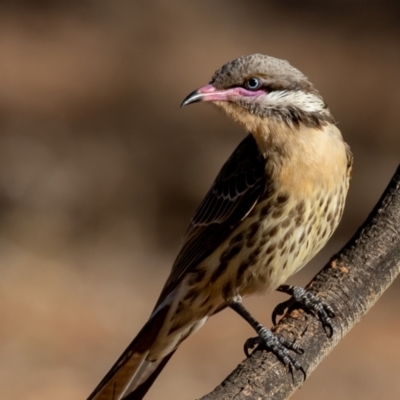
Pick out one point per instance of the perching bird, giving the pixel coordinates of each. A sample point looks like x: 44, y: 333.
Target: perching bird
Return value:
x: 272, y: 207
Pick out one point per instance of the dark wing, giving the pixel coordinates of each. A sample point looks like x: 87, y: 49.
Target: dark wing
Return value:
x: 236, y: 190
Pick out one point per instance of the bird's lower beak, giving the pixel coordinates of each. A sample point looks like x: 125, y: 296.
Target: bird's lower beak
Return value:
x: 206, y: 93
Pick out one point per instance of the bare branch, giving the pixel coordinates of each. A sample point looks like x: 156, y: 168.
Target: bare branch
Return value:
x: 351, y: 283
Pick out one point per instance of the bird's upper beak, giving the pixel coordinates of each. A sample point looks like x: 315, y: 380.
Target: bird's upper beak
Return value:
x: 207, y: 93
x: 211, y: 93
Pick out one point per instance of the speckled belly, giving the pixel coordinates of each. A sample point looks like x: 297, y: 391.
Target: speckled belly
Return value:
x: 276, y: 240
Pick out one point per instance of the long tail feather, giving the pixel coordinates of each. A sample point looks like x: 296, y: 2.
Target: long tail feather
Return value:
x: 132, y: 362
x: 139, y: 392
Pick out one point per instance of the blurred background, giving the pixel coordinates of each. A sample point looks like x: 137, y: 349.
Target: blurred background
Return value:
x: 100, y: 172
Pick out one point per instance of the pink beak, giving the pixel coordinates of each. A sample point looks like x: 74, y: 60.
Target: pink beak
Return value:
x: 210, y: 93
x: 206, y: 93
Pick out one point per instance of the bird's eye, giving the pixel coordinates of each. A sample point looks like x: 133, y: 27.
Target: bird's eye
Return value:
x: 252, y: 84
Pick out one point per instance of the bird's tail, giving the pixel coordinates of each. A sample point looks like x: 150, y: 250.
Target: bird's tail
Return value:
x: 150, y: 371
x: 132, y: 375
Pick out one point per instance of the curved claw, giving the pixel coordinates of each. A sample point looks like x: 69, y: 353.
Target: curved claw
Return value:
x: 301, y: 369
x: 280, y: 309
x: 251, y: 343
x: 325, y: 314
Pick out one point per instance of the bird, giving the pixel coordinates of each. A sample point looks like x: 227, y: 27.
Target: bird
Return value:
x: 272, y: 207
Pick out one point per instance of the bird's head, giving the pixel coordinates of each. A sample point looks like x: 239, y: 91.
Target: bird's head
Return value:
x: 257, y: 89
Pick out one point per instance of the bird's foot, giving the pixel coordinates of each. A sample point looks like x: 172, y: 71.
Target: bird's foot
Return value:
x: 310, y: 302
x: 277, y: 345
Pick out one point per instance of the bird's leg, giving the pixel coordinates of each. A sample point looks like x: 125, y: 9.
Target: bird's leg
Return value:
x: 309, y: 301
x: 276, y: 344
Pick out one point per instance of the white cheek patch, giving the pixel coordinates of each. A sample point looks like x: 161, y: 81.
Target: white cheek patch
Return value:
x: 306, y: 102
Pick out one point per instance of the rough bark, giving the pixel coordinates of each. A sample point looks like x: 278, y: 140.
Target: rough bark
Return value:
x: 351, y: 283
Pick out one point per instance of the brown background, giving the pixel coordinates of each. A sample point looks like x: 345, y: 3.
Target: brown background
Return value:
x: 100, y: 172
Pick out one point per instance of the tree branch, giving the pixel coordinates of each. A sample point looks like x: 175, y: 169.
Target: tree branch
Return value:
x: 351, y: 283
